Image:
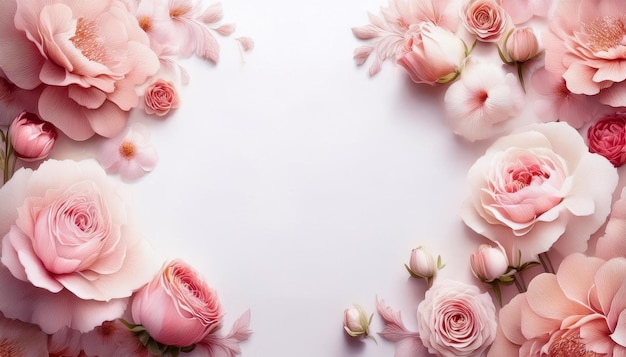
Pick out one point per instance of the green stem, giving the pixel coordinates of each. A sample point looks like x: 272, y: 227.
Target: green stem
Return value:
x: 520, y: 74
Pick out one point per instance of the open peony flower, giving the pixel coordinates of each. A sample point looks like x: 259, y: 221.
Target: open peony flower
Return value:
x: 130, y: 154
x: 586, y: 45
x: 538, y: 188
x: 70, y: 252
x: 483, y: 101
x: 580, y: 311
x: 89, y: 59
x: 485, y: 19
x: 456, y: 319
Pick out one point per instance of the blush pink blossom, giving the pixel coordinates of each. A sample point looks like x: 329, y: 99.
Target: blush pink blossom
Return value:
x: 88, y: 59
x: 160, y: 97
x: 456, y: 319
x: 580, y: 311
x: 130, y: 154
x: 485, y: 19
x: 536, y: 189
x: 586, y: 45
x: 177, y: 308
x: 521, y: 11
x: 607, y: 137
x: 31, y: 138
x: 20, y: 339
x: 70, y: 246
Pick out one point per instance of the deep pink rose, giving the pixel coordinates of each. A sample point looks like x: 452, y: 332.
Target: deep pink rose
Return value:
x: 89, y: 59
x: 485, y: 19
x: 177, y: 307
x: 32, y: 138
x: 537, y: 188
x: 69, y: 246
x: 580, y: 311
x: 607, y: 137
x: 585, y: 44
x: 456, y: 319
x: 160, y: 97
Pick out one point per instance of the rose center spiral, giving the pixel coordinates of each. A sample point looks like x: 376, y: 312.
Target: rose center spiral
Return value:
x: 523, y: 175
x: 605, y: 33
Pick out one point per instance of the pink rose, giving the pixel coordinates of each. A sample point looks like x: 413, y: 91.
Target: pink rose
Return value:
x: 160, y: 98
x: 537, y: 188
x: 89, y: 60
x: 580, y: 311
x: 455, y: 319
x: 585, y: 45
x: 69, y: 246
x: 432, y: 54
x: 607, y: 137
x: 485, y: 19
x: 31, y: 138
x: 187, y: 308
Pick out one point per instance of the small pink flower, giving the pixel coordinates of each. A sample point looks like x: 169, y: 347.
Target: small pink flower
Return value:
x: 522, y: 45
x: 456, y: 319
x: 188, y: 308
x: 160, y: 97
x: 485, y: 19
x: 31, y: 138
x: 130, y: 154
x: 489, y: 263
x: 607, y: 137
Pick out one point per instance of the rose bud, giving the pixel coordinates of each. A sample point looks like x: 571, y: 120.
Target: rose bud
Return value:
x: 607, y: 137
x: 177, y: 308
x: 32, y: 138
x: 489, y: 263
x: 356, y: 322
x: 422, y: 265
x: 521, y: 45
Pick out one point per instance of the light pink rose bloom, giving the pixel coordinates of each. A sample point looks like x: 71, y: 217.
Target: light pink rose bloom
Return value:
x: 521, y: 11
x: 432, y: 54
x: 586, y: 45
x: 177, y: 308
x: 31, y: 138
x: 89, y: 60
x: 19, y: 339
x: 69, y: 246
x: 485, y: 19
x: 160, y: 97
x: 489, y: 263
x: 607, y: 137
x: 536, y: 189
x: 580, y: 311
x: 456, y: 319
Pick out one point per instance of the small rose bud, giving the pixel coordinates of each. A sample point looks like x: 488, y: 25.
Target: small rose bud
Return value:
x: 356, y: 322
x: 31, y: 138
x: 522, y: 45
x: 422, y: 265
x: 489, y: 263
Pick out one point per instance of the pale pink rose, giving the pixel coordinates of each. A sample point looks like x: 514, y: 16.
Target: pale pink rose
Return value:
x: 607, y: 137
x: 177, y: 308
x: 536, y: 189
x: 160, y: 97
x: 521, y: 45
x: 485, y: 19
x: 612, y: 243
x: 31, y: 138
x: 130, y: 154
x: 586, y: 45
x: 521, y: 11
x: 580, y: 311
x: 19, y: 339
x: 432, y: 54
x: 88, y: 59
x: 69, y: 246
x: 483, y: 102
x: 456, y: 319
x: 489, y: 263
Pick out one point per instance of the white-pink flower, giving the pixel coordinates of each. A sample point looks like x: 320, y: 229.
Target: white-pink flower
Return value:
x: 130, y: 154
x: 538, y: 188
x: 69, y: 246
x: 483, y: 101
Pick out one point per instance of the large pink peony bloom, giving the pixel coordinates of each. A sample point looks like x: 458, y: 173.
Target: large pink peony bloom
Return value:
x: 88, y: 56
x: 586, y: 44
x: 580, y: 311
x: 538, y: 188
x: 70, y: 252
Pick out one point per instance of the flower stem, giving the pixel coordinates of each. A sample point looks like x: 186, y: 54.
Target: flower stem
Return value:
x: 520, y: 74
x: 544, y: 258
x: 520, y: 283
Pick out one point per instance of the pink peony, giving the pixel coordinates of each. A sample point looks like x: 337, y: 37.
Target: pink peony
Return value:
x: 580, y: 311
x: 69, y: 246
x: 485, y: 19
x: 31, y: 138
x: 456, y: 319
x: 177, y: 308
x: 586, y: 45
x: 537, y: 188
x: 160, y: 97
x: 89, y: 60
x: 607, y: 137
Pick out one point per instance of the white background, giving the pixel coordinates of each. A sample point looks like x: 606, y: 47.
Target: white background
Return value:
x: 298, y: 185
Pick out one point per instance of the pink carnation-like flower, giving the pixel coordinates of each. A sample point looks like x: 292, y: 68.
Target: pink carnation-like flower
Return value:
x: 580, y: 311
x: 69, y: 246
x: 160, y: 97
x: 536, y: 189
x: 89, y: 59
x: 607, y: 137
x: 485, y: 19
x: 130, y: 154
x: 456, y: 319
x: 586, y: 45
